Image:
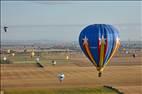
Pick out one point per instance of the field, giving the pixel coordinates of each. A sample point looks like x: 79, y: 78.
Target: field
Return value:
x: 99, y: 90
x: 123, y: 72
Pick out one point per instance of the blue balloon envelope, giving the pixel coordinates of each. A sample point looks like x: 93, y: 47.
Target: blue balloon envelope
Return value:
x: 99, y: 42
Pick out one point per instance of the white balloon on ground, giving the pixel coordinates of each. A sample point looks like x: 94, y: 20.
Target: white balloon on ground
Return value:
x: 8, y: 51
x: 53, y: 62
x: 33, y: 53
x: 37, y: 60
x: 4, y: 58
x: 13, y: 54
x: 61, y: 77
x: 67, y: 57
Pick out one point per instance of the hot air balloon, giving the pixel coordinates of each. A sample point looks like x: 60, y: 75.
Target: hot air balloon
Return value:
x: 5, y: 28
x: 61, y: 77
x: 53, y: 62
x: 13, y: 54
x: 8, y: 51
x: 99, y: 42
x: 38, y: 62
x: 67, y: 57
x: 32, y: 53
x: 4, y: 58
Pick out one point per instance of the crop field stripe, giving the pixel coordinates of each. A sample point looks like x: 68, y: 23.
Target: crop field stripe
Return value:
x: 100, y: 90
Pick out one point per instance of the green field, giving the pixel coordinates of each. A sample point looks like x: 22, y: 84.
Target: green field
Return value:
x: 101, y: 90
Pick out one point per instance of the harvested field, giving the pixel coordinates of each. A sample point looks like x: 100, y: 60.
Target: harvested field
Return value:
x: 122, y: 73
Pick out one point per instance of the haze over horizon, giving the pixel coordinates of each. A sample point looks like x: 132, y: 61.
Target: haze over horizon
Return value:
x: 64, y: 20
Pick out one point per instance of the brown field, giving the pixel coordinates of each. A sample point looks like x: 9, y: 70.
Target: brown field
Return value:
x: 124, y: 73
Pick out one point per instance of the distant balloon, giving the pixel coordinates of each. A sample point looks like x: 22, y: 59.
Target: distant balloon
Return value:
x: 124, y: 49
x: 67, y: 57
x: 99, y: 42
x: 37, y: 60
x: 32, y: 54
x: 38, y: 63
x: 61, y: 77
x: 5, y: 28
x: 13, y: 54
x: 53, y: 62
x: 4, y: 58
x: 8, y: 51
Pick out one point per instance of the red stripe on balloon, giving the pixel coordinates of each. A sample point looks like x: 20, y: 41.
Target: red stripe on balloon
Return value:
x: 106, y: 45
x: 99, y: 47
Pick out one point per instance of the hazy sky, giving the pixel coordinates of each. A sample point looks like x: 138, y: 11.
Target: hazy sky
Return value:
x: 64, y: 20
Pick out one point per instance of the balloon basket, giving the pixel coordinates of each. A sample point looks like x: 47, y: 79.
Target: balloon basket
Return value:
x: 99, y: 74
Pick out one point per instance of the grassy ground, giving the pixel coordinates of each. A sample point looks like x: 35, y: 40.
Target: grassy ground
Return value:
x: 99, y: 90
